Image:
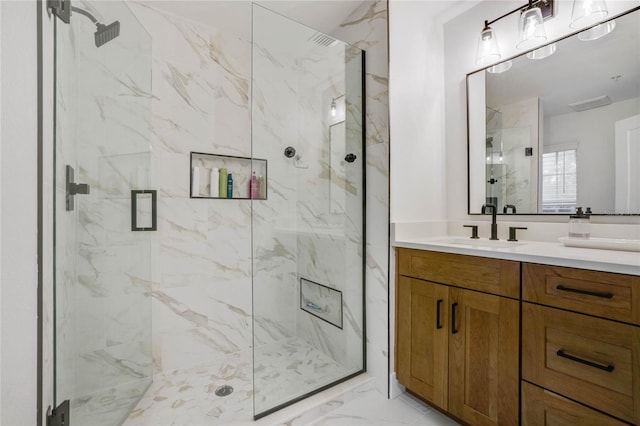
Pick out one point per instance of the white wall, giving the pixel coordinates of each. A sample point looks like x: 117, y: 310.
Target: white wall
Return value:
x: 18, y: 135
x: 416, y: 105
x: 593, y: 130
x: 460, y: 40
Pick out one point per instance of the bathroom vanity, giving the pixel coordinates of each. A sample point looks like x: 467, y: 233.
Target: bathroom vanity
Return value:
x: 524, y: 335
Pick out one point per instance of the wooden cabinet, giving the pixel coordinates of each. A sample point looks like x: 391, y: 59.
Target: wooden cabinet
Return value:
x: 542, y: 407
x: 460, y: 346
x: 483, y: 358
x: 602, y: 294
x: 580, y: 337
x: 455, y: 347
x: 422, y: 339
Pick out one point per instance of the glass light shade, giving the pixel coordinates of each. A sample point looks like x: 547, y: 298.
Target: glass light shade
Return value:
x: 334, y: 108
x: 542, y: 52
x: 531, y: 29
x: 500, y: 68
x: 488, y: 51
x: 587, y: 12
x: 598, y: 31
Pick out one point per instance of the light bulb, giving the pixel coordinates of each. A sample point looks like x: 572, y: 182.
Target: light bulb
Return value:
x: 334, y: 108
x: 587, y: 12
x: 488, y: 51
x: 598, y: 31
x: 531, y: 28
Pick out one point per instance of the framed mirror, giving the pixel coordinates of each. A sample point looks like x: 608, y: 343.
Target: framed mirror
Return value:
x: 548, y: 135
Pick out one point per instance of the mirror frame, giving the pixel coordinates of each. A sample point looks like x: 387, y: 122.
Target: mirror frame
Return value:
x: 469, y: 148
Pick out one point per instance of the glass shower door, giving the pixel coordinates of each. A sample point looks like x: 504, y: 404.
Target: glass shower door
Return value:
x: 308, y: 235
x: 103, y: 206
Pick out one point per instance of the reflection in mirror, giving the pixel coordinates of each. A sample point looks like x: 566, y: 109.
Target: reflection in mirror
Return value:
x: 548, y: 135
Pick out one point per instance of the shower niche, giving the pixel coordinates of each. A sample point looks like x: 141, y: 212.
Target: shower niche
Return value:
x: 209, y: 177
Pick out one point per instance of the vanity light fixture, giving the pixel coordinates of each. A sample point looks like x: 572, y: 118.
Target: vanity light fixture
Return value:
x: 586, y: 13
x: 542, y: 52
x: 598, y: 31
x: 500, y: 68
x: 531, y: 30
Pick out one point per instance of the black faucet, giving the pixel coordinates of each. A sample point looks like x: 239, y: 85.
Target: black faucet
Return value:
x: 494, y: 224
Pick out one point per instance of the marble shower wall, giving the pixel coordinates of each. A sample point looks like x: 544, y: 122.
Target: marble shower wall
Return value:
x: 201, y: 97
x: 366, y: 29
x: 202, y: 299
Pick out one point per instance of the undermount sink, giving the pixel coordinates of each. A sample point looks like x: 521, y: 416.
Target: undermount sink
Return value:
x: 481, y: 243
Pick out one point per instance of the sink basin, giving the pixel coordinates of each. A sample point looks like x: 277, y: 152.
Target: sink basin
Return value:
x: 481, y: 243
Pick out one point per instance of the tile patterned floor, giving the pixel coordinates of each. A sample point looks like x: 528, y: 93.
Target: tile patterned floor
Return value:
x: 373, y: 409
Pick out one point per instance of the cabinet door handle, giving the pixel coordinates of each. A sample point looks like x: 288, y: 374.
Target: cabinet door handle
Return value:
x: 563, y: 354
x: 454, y: 307
x: 438, y: 304
x: 587, y: 292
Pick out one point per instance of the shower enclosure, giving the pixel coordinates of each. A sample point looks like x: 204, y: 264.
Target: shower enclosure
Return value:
x: 102, y: 343
x: 308, y: 236
x: 118, y: 247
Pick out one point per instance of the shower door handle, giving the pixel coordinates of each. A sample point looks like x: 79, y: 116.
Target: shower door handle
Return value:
x: 73, y: 189
x: 141, y: 225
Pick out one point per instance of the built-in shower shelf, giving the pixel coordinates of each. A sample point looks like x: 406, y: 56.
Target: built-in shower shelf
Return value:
x: 208, y: 180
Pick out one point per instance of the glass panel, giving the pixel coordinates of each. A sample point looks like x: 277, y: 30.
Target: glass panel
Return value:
x: 307, y: 235
x: 102, y: 269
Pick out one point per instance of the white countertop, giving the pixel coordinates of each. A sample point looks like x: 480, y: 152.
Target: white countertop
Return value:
x: 623, y: 262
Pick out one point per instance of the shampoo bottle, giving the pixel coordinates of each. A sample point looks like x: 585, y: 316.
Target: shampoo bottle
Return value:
x: 230, y: 186
x: 262, y: 188
x: 195, y: 182
x: 214, y: 183
x: 222, y: 182
x: 254, y: 187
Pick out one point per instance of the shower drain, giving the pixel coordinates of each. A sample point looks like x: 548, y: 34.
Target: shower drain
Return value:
x: 224, y: 390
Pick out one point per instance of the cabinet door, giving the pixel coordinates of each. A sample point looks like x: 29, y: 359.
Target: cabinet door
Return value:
x: 483, y: 358
x: 421, y: 349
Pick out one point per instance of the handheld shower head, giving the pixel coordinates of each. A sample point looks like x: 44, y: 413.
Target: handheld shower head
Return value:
x: 106, y: 33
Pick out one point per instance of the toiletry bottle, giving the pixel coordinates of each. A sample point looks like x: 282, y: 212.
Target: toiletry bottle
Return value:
x: 222, y: 181
x: 230, y: 186
x: 579, y: 224
x: 254, y: 186
x: 195, y: 182
x: 262, y: 188
x: 214, y: 183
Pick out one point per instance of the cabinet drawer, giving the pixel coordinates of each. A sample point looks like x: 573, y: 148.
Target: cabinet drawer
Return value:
x: 608, y: 295
x: 590, y: 360
x: 496, y: 276
x: 541, y: 407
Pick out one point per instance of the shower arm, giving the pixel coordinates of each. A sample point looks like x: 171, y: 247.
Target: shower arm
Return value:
x: 85, y: 13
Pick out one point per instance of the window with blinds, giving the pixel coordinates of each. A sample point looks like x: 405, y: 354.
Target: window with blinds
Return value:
x: 559, y: 181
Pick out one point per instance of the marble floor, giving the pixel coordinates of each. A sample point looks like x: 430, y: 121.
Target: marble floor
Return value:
x: 374, y: 409
x: 283, y: 370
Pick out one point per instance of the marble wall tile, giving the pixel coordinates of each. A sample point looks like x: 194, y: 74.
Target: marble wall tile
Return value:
x: 366, y: 28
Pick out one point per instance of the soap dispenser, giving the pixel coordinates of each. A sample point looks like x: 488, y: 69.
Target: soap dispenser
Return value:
x: 579, y: 224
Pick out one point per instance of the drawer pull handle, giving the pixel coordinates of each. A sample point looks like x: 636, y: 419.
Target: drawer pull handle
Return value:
x: 587, y: 292
x: 454, y: 306
x: 563, y: 354
x: 438, y: 323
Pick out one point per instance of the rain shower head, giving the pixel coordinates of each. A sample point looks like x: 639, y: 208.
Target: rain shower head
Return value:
x: 106, y: 33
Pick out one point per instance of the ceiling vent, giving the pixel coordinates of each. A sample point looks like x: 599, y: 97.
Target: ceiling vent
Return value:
x: 600, y: 101
x: 323, y: 40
